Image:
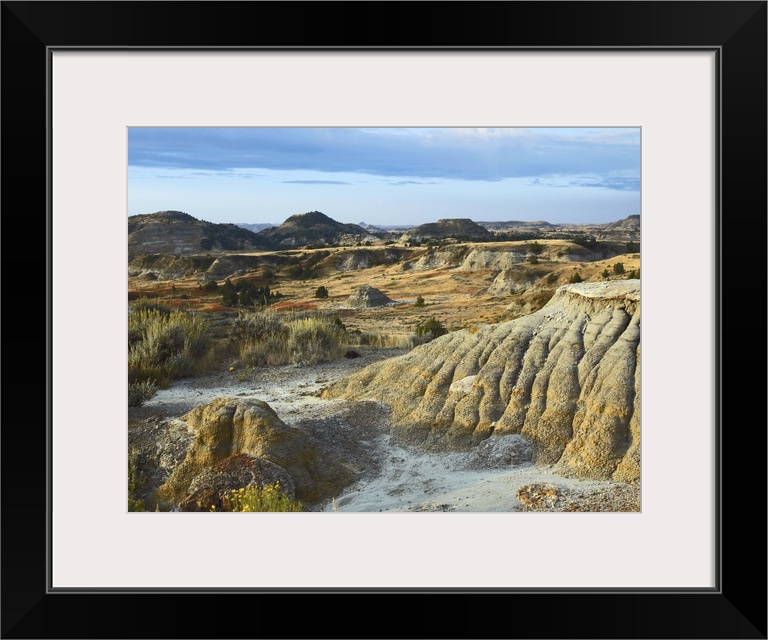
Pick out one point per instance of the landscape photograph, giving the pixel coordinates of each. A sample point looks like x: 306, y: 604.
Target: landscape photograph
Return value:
x: 393, y: 320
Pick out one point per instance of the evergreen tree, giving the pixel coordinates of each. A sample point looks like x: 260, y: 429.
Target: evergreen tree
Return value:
x: 228, y: 294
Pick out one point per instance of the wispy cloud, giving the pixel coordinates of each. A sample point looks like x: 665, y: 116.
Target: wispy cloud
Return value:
x: 315, y: 182
x: 619, y: 184
x: 428, y: 153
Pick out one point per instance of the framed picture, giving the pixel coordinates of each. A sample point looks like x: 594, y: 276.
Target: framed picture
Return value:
x: 690, y: 76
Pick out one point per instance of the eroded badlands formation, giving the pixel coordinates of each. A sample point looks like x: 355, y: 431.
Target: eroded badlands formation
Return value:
x: 566, y: 378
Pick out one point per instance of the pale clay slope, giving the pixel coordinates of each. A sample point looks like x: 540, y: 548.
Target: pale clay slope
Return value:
x: 397, y: 479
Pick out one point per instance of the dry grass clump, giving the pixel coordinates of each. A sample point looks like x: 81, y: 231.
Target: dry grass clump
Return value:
x: 268, y: 338
x: 385, y: 340
x: 163, y: 346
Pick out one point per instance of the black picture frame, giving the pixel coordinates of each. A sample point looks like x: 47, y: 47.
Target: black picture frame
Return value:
x: 736, y: 608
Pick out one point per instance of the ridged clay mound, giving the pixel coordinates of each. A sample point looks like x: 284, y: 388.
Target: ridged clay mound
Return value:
x: 366, y: 296
x: 227, y: 427
x: 566, y: 378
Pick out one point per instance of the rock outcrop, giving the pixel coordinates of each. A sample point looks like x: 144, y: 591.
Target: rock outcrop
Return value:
x: 366, y: 296
x: 227, y: 427
x: 566, y: 378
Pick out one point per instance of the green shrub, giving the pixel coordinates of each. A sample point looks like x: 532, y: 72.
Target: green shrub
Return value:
x: 211, y: 285
x: 229, y: 297
x: 321, y: 292
x: 575, y: 278
x: 535, y: 248
x: 552, y: 278
x: 419, y: 302
x: 298, y: 272
x: 605, y: 274
x: 618, y: 268
x: 533, y: 260
x: 431, y: 327
x: 166, y: 346
x: 247, y: 293
x: 246, y: 298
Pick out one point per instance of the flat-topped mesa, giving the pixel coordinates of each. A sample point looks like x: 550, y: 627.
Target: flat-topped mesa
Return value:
x: 566, y: 378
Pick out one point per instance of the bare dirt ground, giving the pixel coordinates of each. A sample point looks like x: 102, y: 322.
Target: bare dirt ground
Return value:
x: 393, y: 479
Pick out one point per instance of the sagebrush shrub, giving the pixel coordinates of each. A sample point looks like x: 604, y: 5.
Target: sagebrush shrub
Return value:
x: 141, y: 391
x: 311, y: 341
x: 166, y: 346
x: 264, y: 338
x: 249, y: 327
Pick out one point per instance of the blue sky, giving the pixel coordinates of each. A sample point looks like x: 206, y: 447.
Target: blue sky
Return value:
x: 386, y: 175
